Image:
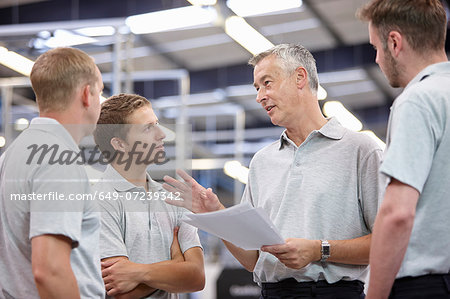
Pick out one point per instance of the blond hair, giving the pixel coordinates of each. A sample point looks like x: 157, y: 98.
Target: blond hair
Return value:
x: 57, y: 74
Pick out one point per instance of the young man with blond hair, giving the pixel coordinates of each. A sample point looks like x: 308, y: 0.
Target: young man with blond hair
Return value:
x: 146, y: 250
x: 410, y: 256
x: 50, y: 248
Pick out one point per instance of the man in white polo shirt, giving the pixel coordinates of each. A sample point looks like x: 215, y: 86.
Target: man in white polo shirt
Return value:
x: 318, y: 183
x: 410, y: 256
x: 141, y: 255
x: 49, y: 242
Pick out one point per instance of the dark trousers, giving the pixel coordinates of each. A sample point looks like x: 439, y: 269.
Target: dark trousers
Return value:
x: 290, y: 288
x: 432, y: 286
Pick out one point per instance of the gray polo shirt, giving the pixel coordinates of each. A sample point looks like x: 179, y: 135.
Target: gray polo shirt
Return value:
x: 139, y: 229
x: 418, y: 154
x: 21, y: 220
x: 327, y: 188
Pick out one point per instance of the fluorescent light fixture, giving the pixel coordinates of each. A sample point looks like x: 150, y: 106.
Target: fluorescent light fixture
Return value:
x: 321, y: 93
x: 235, y: 170
x: 21, y: 124
x: 2, y: 141
x: 204, y: 164
x: 96, y: 31
x: 15, y: 61
x: 375, y: 137
x: 64, y: 38
x: 348, y: 120
x: 171, y: 19
x: 202, y: 2
x: 246, y: 8
x: 239, y: 30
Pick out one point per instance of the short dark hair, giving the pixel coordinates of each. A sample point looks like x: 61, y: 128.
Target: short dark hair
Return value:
x: 115, y: 111
x: 422, y: 22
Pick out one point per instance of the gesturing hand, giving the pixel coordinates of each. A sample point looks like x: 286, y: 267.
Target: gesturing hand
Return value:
x: 295, y: 253
x: 194, y: 196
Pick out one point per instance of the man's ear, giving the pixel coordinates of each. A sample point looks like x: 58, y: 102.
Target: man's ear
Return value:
x: 301, y: 77
x: 118, y: 144
x: 395, y: 43
x: 85, y: 95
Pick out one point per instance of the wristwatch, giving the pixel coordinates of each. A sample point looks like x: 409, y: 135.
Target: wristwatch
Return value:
x: 325, y: 250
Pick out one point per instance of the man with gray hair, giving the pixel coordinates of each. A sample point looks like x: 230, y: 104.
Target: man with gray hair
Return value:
x: 318, y: 183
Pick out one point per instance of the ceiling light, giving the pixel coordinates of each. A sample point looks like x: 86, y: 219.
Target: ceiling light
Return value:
x: 15, y: 61
x: 2, y: 141
x: 96, y: 31
x: 202, y: 2
x: 348, y: 120
x: 235, y: 170
x: 375, y: 137
x: 246, y: 8
x: 171, y: 19
x: 64, y: 38
x: 253, y: 41
x: 21, y: 124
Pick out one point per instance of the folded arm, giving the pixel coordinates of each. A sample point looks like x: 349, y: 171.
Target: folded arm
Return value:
x: 183, y: 273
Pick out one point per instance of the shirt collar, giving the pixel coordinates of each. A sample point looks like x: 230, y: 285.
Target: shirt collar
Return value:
x: 441, y: 67
x: 120, y: 184
x: 53, y: 126
x: 332, y: 129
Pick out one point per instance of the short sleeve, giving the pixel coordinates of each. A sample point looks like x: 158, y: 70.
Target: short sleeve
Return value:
x: 112, y: 236
x: 409, y: 155
x: 56, y: 210
x: 371, y: 187
x: 187, y: 235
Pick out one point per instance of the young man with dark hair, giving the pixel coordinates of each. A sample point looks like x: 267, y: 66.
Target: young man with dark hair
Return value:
x: 138, y: 228
x: 411, y: 235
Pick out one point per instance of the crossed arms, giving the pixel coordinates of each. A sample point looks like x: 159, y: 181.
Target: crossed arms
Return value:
x: 182, y: 273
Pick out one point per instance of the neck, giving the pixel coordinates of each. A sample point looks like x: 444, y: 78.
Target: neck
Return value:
x: 419, y: 62
x: 136, y: 174
x: 71, y: 121
x: 308, y: 120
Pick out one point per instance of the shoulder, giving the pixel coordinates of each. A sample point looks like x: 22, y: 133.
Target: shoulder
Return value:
x: 362, y: 143
x: 267, y: 151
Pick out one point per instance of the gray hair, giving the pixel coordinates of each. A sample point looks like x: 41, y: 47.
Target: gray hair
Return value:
x: 292, y: 57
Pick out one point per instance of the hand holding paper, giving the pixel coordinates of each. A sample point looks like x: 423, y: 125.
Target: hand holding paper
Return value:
x: 243, y: 225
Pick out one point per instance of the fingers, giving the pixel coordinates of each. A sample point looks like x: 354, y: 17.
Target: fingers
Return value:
x: 180, y: 186
x: 171, y: 189
x: 109, y: 263
x: 275, y: 249
x: 187, y: 178
x: 175, y: 233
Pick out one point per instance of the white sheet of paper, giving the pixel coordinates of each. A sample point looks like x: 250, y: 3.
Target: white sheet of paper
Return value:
x: 243, y: 225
